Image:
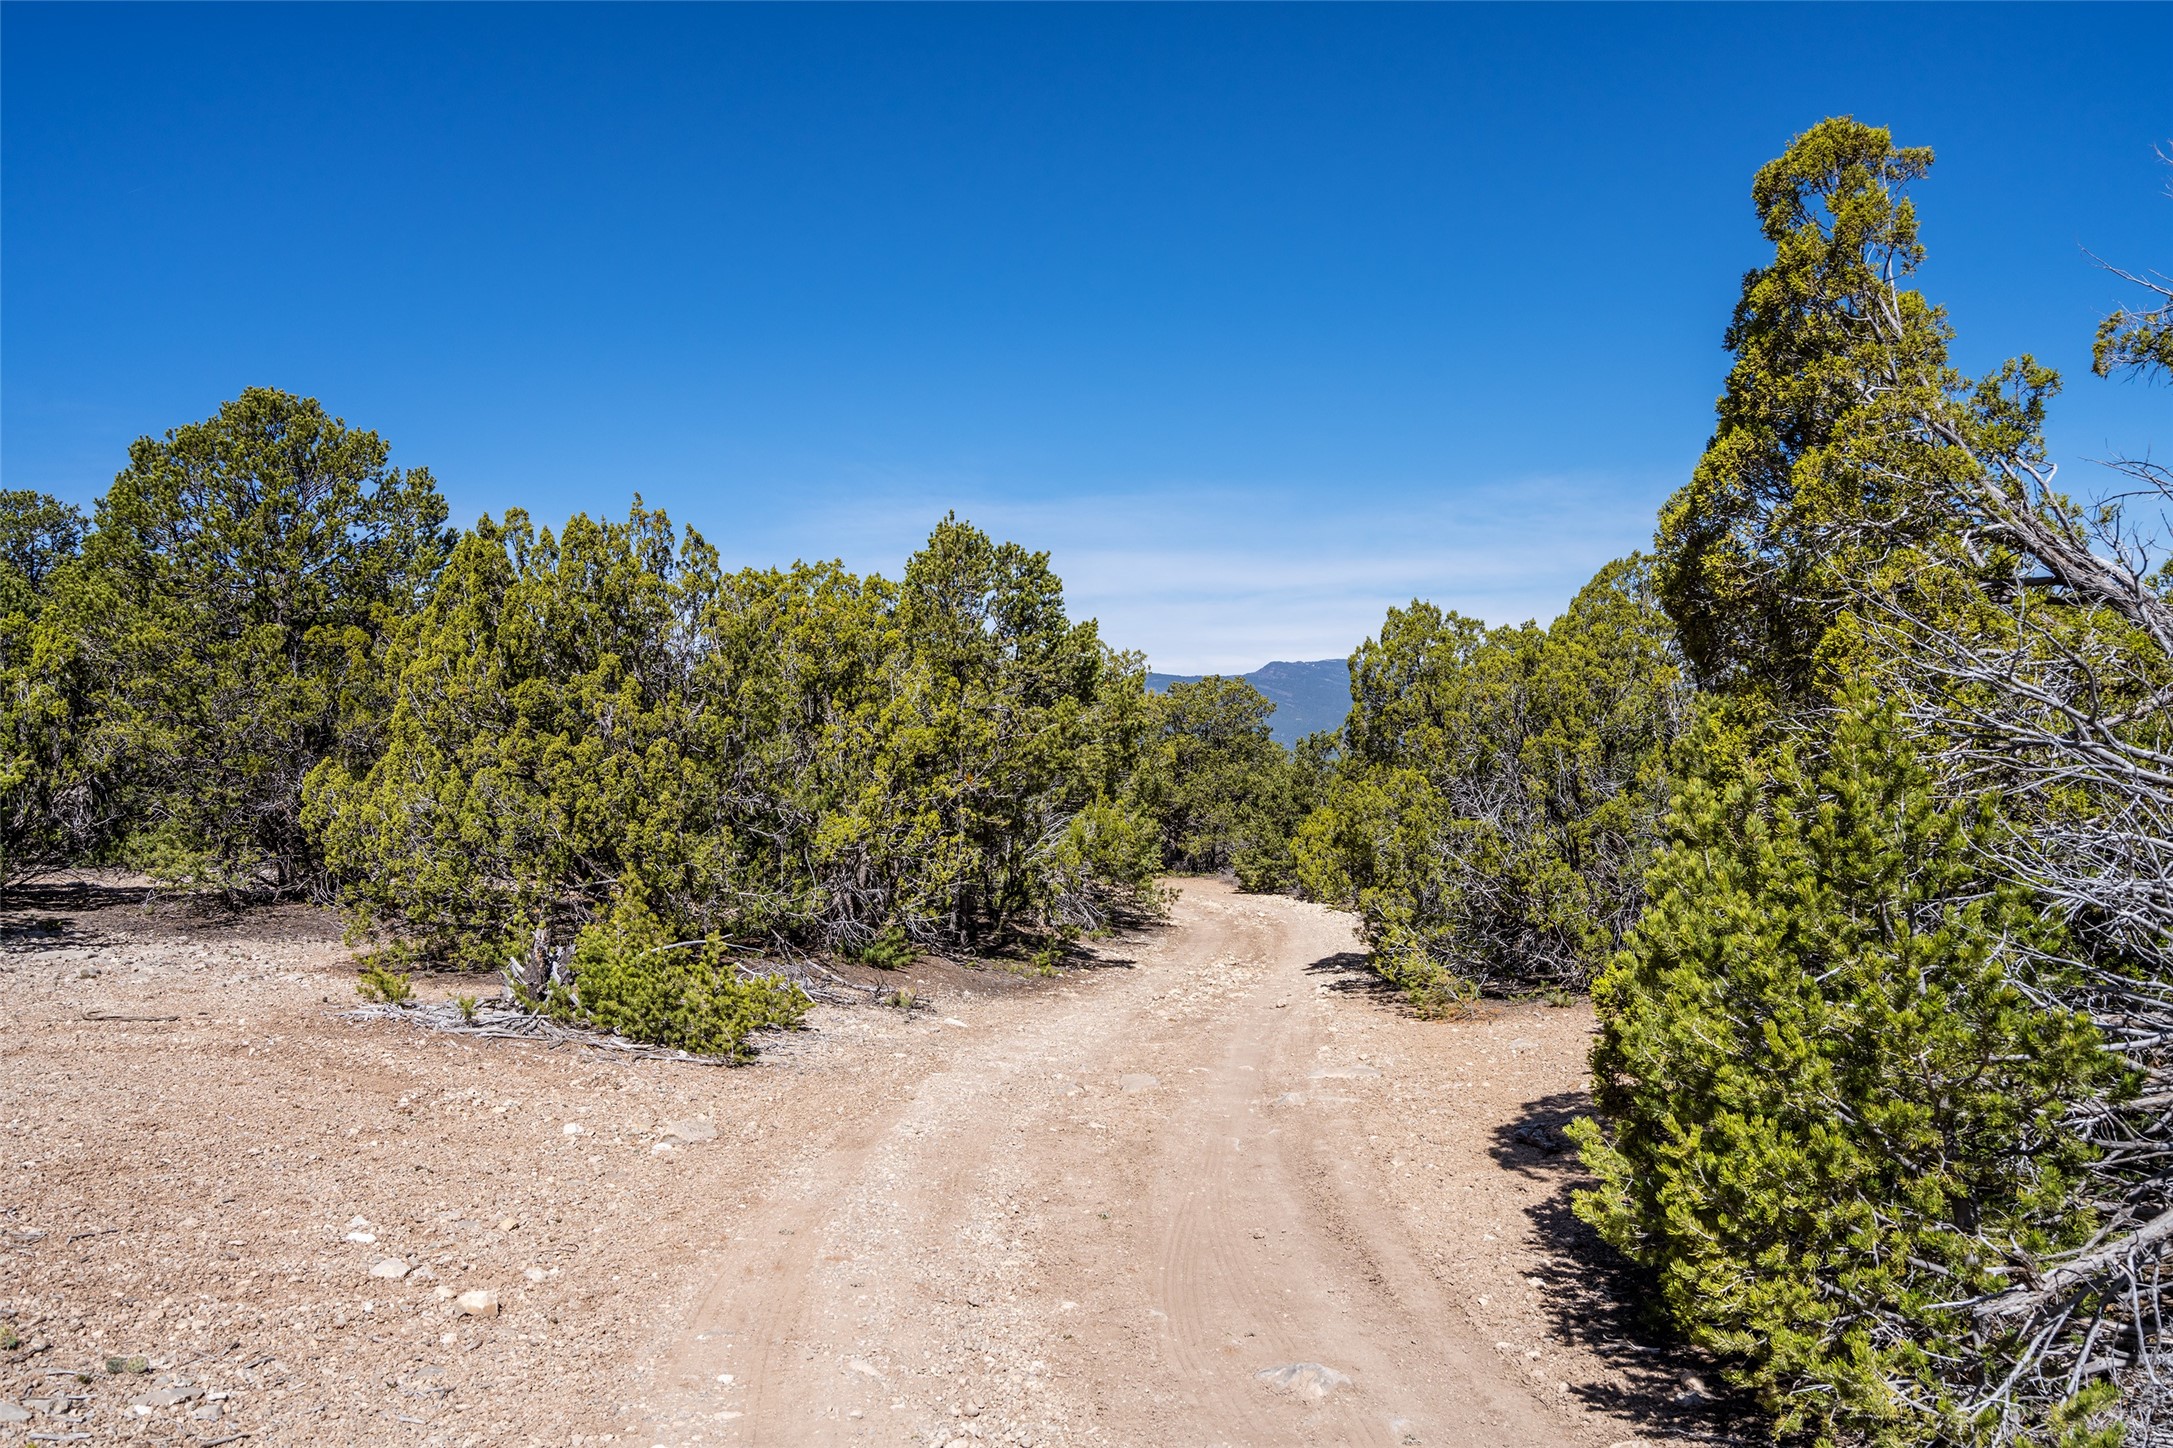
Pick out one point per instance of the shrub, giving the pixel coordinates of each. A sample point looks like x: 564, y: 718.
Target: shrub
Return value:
x: 1215, y: 779
x: 629, y: 977
x: 802, y: 755
x: 1831, y: 1117
x: 890, y: 950
x: 1500, y: 788
x: 385, y: 985
x: 228, y: 614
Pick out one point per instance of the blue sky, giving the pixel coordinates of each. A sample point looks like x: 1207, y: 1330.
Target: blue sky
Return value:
x: 1260, y: 320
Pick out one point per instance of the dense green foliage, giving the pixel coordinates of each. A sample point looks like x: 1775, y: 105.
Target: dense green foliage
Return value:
x: 1813, y: 468
x: 268, y: 667
x: 1834, y: 1114
x: 1490, y: 815
x: 215, y: 639
x: 219, y: 635
x: 1862, y: 1061
x: 1225, y: 794
x: 631, y: 978
x: 802, y: 755
x: 46, y: 809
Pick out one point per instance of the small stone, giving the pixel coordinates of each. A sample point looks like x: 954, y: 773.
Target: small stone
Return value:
x: 507, y: 1224
x: 209, y: 1413
x: 168, y: 1397
x: 865, y: 1369
x: 571, y: 1128
x: 362, y: 1239
x: 442, y: 1292
x: 533, y: 1274
x: 662, y: 1148
x: 477, y: 1304
x: 358, y: 1221
x: 1137, y: 1081
x: 695, y: 1129
x: 1304, y: 1380
x: 392, y: 1269
x: 14, y: 1413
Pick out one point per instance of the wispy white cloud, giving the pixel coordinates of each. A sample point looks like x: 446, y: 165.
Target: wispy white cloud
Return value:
x: 1222, y: 579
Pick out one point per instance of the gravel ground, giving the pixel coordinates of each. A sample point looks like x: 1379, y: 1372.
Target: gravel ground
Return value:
x: 1090, y: 1209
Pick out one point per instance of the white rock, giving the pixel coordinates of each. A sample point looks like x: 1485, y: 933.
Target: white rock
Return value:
x: 694, y: 1129
x: 477, y: 1304
x: 1304, y: 1380
x: 392, y: 1269
x: 14, y: 1413
x: 571, y: 1128
x: 362, y: 1239
x: 1138, y: 1081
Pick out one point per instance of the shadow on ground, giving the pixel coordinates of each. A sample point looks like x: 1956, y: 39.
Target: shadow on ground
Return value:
x: 1600, y: 1300
x: 1351, y: 972
x: 71, y: 897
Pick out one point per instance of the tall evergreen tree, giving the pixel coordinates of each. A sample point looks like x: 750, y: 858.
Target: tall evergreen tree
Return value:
x: 242, y: 575
x: 1815, y: 468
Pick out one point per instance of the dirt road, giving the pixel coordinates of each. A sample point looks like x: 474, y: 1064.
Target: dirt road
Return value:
x: 1218, y: 1189
x: 1132, y: 1216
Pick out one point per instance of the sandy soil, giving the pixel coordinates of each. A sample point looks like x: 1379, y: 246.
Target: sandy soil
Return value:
x: 1088, y: 1210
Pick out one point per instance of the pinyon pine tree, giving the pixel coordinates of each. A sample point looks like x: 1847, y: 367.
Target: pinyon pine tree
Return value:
x: 1832, y: 1117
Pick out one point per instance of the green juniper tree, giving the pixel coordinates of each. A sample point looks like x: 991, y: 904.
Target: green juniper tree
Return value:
x: 1491, y: 810
x: 801, y: 756
x: 49, y: 809
x: 1815, y: 468
x: 537, y: 758
x: 1218, y: 781
x: 242, y: 575
x: 1862, y: 1065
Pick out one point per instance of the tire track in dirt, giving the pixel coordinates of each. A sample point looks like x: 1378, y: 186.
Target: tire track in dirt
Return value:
x: 1043, y: 1245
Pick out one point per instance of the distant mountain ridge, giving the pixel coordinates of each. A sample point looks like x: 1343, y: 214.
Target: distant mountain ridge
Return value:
x: 1308, y: 696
